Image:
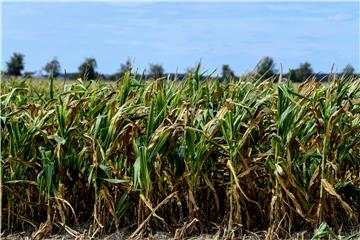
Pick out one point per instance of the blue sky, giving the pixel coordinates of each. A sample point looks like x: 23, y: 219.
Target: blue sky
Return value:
x: 179, y: 34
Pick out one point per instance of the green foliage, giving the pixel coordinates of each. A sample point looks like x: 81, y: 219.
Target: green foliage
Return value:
x: 324, y: 231
x: 15, y: 65
x: 87, y: 70
x: 227, y: 73
x: 348, y: 70
x: 156, y: 71
x: 244, y: 155
x: 265, y: 68
x: 125, y: 67
x: 302, y: 73
x: 53, y: 68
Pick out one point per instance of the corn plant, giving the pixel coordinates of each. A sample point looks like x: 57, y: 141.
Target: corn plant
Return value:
x: 199, y: 155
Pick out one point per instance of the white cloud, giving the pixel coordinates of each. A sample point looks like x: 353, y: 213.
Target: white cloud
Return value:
x: 340, y: 17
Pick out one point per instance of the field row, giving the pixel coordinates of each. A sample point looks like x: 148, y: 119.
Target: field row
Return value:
x: 182, y: 157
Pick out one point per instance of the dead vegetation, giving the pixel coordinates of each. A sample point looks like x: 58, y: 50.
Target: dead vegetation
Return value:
x: 242, y: 158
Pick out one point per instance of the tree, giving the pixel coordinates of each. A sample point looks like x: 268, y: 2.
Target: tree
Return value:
x: 156, y: 71
x: 15, y: 65
x: 126, y: 67
x: 52, y: 67
x: 302, y: 73
x: 265, y: 68
x: 349, y: 70
x: 293, y: 75
x: 87, y: 69
x: 227, y: 72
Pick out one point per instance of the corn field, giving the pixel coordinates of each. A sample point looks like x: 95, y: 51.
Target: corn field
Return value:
x: 185, y: 157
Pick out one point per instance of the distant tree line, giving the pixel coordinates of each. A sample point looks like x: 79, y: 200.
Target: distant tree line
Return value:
x: 264, y: 69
